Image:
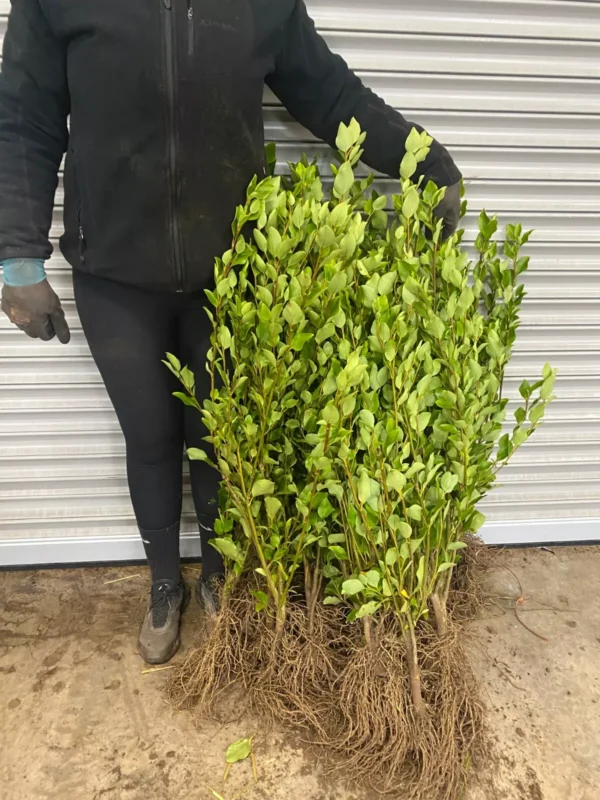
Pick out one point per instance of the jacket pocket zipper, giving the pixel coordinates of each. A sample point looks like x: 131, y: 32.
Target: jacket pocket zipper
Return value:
x: 190, y: 27
x: 81, y: 237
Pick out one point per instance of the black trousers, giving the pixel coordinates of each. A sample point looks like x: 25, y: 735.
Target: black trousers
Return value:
x: 129, y: 330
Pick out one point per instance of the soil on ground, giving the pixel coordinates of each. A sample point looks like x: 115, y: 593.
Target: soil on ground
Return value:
x: 82, y: 719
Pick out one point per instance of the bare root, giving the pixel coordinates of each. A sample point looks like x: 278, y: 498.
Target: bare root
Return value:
x: 399, y: 713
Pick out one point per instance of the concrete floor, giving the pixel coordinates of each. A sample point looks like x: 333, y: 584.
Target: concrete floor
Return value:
x: 80, y: 721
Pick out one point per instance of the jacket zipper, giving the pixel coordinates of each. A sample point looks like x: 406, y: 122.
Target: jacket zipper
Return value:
x: 81, y: 234
x: 81, y: 237
x: 171, y: 64
x: 190, y: 26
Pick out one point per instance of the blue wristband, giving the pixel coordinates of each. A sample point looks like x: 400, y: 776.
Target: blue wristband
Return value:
x: 23, y: 271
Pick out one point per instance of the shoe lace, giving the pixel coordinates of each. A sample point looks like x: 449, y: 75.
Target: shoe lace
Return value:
x: 162, y: 599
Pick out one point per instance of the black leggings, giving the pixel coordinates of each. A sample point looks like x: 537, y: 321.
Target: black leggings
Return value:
x: 129, y: 330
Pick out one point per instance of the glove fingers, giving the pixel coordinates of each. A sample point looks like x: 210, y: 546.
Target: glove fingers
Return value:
x: 40, y: 329
x: 450, y: 226
x: 60, y: 326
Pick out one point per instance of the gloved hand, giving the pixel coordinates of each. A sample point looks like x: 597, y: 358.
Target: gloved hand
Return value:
x: 36, y: 310
x: 449, y: 210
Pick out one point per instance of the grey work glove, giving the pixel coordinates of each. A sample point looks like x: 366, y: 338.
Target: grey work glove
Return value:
x: 449, y: 210
x: 36, y: 310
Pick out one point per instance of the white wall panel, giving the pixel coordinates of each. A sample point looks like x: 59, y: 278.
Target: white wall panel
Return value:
x: 513, y: 88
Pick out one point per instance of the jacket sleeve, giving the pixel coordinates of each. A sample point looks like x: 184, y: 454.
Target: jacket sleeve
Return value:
x: 34, y: 106
x: 320, y: 91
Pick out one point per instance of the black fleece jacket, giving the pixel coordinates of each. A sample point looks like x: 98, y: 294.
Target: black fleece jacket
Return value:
x: 166, y: 129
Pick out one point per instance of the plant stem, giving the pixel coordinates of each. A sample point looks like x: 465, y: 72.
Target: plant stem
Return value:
x: 414, y: 670
x: 440, y: 613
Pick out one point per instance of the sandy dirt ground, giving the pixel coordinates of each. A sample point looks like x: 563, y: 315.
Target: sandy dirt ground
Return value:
x: 79, y: 719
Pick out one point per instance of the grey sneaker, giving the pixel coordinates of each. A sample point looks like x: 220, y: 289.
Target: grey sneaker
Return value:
x: 208, y: 593
x: 159, y: 636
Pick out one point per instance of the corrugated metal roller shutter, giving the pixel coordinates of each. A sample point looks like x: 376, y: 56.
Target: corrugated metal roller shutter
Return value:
x: 512, y: 87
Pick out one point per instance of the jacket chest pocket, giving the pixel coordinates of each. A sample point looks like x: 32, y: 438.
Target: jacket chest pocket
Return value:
x: 219, y: 35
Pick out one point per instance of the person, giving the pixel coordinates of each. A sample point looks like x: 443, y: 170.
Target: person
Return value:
x: 164, y: 103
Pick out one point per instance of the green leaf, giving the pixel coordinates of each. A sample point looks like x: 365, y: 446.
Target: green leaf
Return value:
x: 339, y: 215
x: 348, y: 405
x: 344, y: 139
x: 344, y: 180
x: 414, y: 512
x: 525, y: 390
x: 186, y: 399
x: 547, y: 387
x: 475, y: 369
x: 348, y: 245
x: 449, y: 482
x: 273, y: 506
x: 372, y: 578
x: 331, y: 601
x: 520, y: 415
x: 520, y: 436
x: 408, y: 166
x: 330, y: 414
x: 465, y: 301
x: 413, y: 141
x: 386, y: 282
x: 224, y: 337
x: 223, y: 287
x: 174, y: 362
x: 368, y: 609
x: 239, y: 751
x: 391, y: 557
x: 537, y: 413
x: 338, y: 282
x: 364, y: 487
x: 379, y: 220
x: 195, y: 454
x: 339, y: 552
x: 421, y: 571
x: 408, y: 297
x: 367, y: 418
x: 274, y: 240
x: 264, y: 295
x: 326, y: 237
x: 476, y: 521
x: 325, y: 332
x: 436, y: 327
x: 352, y: 587
x: 445, y: 567
x: 423, y: 421
x: 299, y: 340
x: 504, y: 447
x: 260, y: 240
x: 457, y: 546
x: 262, y: 600
x: 293, y: 314
x: 395, y: 480
x: 262, y: 487
x: 410, y: 203
x: 227, y: 548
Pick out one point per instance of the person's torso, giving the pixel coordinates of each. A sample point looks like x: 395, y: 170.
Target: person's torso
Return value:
x: 166, y: 129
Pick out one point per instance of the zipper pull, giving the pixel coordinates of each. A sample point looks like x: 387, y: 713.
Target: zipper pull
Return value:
x: 167, y: 4
x: 190, y: 17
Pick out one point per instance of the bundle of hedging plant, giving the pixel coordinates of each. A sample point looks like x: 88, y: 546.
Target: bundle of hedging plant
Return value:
x: 356, y: 411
